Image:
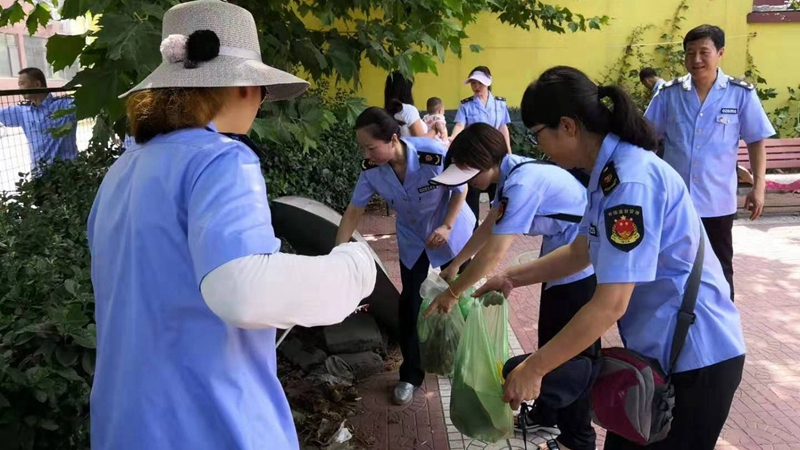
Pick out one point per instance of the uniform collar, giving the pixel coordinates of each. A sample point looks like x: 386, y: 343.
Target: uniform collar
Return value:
x: 721, y: 81
x: 610, y: 144
x: 478, y: 101
x: 412, y: 159
x: 47, y: 100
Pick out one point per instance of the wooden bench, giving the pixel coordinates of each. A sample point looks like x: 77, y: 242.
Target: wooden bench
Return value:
x: 781, y: 154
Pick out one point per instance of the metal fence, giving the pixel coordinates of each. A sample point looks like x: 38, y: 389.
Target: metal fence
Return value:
x: 38, y: 126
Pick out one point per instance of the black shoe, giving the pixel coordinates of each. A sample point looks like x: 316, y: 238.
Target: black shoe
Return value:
x: 531, y: 420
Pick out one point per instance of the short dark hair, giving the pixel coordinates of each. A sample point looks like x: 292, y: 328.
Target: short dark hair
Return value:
x: 480, y: 146
x: 434, y: 103
x: 379, y: 123
x: 712, y: 32
x: 646, y: 73
x: 567, y: 92
x: 34, y: 74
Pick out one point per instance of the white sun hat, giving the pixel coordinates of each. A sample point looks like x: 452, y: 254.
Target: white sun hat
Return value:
x: 480, y: 77
x: 455, y: 176
x: 210, y: 43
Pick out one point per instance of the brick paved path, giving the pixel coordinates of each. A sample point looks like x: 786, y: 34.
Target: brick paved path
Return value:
x: 766, y: 411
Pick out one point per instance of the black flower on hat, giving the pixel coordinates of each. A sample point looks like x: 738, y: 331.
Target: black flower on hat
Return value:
x: 202, y: 46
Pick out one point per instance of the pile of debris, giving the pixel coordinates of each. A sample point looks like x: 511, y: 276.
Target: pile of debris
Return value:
x: 318, y: 369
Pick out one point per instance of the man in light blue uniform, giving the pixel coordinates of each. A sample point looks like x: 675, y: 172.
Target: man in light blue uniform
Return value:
x: 36, y: 118
x: 534, y: 198
x: 650, y: 79
x: 432, y: 226
x: 701, y: 117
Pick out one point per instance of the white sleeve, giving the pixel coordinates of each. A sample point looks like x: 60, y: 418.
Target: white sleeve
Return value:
x: 282, y: 290
x: 410, y: 114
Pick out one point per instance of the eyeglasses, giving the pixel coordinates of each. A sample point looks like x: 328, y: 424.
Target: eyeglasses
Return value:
x: 533, y: 137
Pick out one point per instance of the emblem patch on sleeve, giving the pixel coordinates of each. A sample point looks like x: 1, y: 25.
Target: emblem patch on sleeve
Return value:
x: 624, y: 226
x: 501, y: 210
x: 429, y: 158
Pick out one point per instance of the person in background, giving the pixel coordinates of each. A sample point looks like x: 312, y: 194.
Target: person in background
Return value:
x: 434, y: 119
x: 701, y: 117
x: 36, y: 117
x: 641, y: 233
x: 432, y: 226
x: 650, y: 79
x: 189, y: 282
x: 534, y: 198
x: 398, y: 100
x: 482, y: 107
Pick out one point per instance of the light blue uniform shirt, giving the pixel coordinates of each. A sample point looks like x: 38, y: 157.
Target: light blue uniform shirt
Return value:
x: 540, y: 199
x: 658, y: 85
x: 643, y: 229
x: 701, y: 142
x: 170, y: 373
x: 494, y: 113
x: 37, y: 121
x: 421, y: 207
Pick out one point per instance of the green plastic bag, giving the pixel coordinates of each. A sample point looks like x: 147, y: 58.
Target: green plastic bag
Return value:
x: 476, y: 403
x: 439, y: 334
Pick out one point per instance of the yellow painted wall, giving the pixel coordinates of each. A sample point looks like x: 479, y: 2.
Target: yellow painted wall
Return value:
x: 516, y: 57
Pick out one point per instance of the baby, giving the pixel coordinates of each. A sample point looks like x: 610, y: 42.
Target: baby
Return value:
x: 434, y: 119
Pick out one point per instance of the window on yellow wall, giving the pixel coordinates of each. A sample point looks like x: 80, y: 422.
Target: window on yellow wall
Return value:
x: 774, y: 11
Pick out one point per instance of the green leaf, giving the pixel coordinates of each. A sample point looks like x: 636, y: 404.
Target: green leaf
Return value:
x: 40, y: 396
x: 48, y: 425
x: 573, y: 27
x: 73, y: 9
x: 13, y: 14
x: 594, y: 24
x: 4, y: 401
x: 85, y: 338
x: 87, y: 362
x: 475, y: 48
x: 71, y: 286
x: 62, y: 51
x: 66, y: 356
x: 40, y: 16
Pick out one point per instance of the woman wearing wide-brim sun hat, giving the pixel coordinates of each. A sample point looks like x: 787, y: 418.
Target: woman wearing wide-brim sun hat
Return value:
x: 189, y: 283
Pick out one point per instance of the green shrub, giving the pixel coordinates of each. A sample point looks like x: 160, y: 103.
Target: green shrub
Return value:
x: 47, y: 307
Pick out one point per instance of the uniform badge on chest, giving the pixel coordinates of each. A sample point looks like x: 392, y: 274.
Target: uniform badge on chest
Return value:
x: 428, y: 188
x: 729, y: 111
x: 592, y: 230
x: 624, y: 226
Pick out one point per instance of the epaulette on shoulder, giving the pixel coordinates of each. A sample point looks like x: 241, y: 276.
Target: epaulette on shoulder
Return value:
x: 609, y: 179
x: 429, y: 158
x: 671, y: 83
x: 467, y: 100
x: 500, y: 99
x: 741, y: 83
x: 25, y: 103
x: 366, y: 165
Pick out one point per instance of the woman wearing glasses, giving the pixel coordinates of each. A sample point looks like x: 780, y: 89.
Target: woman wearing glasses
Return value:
x: 533, y: 198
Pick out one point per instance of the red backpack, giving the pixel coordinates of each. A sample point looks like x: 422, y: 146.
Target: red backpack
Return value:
x: 632, y: 396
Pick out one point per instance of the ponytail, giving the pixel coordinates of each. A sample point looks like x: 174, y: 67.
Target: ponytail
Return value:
x: 567, y: 92
x: 627, y: 122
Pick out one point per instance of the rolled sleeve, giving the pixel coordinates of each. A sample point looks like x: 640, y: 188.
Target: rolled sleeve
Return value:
x: 228, y: 213
x: 622, y: 257
x: 754, y: 123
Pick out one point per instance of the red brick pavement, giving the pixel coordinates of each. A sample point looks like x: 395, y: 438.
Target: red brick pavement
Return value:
x: 766, y: 410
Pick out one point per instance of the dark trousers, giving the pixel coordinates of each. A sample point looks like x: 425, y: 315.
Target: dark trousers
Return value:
x: 557, y: 307
x: 703, y: 399
x: 720, y: 236
x: 474, y: 200
x: 410, y: 302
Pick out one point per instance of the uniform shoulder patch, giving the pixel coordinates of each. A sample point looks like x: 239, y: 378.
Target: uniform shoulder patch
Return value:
x: 609, y: 179
x: 741, y: 83
x: 500, y: 99
x: 366, y: 165
x: 624, y: 226
x: 467, y: 100
x: 432, y: 159
x: 25, y: 103
x: 501, y: 210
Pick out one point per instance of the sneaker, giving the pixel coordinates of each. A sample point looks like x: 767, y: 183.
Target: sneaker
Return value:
x: 534, y: 421
x: 403, y: 393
